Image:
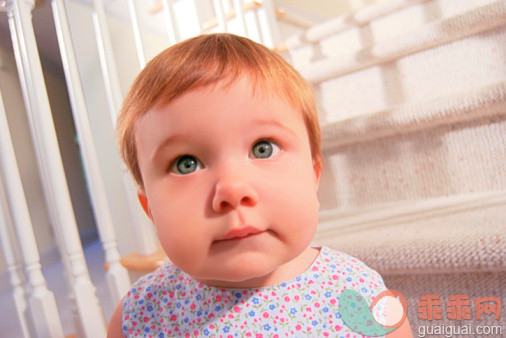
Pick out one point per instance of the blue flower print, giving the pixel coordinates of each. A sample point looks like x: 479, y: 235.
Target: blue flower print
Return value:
x: 267, y: 327
x: 348, y: 279
x: 327, y: 294
x: 272, y: 307
x: 150, y: 308
x: 226, y: 329
x: 255, y: 300
x: 252, y: 313
x: 308, y: 297
x: 293, y: 311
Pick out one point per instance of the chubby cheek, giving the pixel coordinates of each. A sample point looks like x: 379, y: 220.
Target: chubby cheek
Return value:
x: 177, y: 218
x: 294, y: 195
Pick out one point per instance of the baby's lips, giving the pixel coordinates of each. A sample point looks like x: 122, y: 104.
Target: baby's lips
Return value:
x: 240, y: 232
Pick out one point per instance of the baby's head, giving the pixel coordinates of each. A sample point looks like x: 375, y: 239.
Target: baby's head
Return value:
x: 222, y: 136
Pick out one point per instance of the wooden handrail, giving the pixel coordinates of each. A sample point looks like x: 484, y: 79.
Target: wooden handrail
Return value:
x: 247, y: 6
x: 142, y: 263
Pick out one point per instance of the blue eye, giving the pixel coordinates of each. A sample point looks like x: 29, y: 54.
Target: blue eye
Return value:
x: 186, y: 165
x: 264, y: 149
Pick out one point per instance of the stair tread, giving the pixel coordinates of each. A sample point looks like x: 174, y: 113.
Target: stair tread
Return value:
x: 467, y: 240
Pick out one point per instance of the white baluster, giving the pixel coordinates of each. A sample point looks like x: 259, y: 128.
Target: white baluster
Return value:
x: 117, y: 275
x: 257, y: 27
x: 11, y: 254
x: 199, y: 31
x: 220, y: 15
x: 90, y: 321
x: 171, y: 22
x: 274, y: 37
x: 143, y: 230
x: 239, y: 13
x: 132, y: 8
x: 42, y: 304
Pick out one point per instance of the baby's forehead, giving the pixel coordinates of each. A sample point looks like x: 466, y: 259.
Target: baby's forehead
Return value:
x: 247, y: 102
x: 255, y: 87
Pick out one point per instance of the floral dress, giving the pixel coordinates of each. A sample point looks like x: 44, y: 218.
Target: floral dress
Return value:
x: 170, y: 303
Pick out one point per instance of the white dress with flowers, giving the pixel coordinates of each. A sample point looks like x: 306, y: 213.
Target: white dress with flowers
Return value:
x: 170, y: 303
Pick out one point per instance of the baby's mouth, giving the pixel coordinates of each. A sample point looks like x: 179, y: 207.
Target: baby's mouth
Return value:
x: 240, y: 233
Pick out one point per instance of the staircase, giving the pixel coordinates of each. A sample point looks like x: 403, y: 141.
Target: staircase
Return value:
x: 412, y: 98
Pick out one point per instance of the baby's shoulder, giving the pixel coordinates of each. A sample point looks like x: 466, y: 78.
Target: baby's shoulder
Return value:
x: 162, y: 280
x: 337, y: 261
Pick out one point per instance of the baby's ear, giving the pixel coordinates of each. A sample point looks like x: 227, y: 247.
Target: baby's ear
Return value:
x: 317, y: 168
x: 143, y: 200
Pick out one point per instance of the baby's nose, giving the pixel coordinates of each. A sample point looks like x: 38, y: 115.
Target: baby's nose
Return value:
x: 232, y: 192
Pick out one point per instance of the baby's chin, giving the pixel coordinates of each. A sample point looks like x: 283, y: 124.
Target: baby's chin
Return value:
x: 239, y: 279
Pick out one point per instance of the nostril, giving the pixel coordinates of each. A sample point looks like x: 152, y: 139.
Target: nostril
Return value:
x: 246, y: 200
x: 224, y: 205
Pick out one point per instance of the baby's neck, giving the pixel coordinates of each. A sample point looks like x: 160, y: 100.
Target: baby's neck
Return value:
x: 281, y: 274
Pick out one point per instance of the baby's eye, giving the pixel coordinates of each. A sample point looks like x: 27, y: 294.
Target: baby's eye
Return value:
x: 186, y: 164
x: 264, y: 149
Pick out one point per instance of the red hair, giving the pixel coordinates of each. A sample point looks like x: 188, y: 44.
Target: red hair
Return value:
x: 206, y: 60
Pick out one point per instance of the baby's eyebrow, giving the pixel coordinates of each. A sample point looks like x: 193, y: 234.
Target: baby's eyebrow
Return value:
x: 276, y: 123
x: 165, y: 143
